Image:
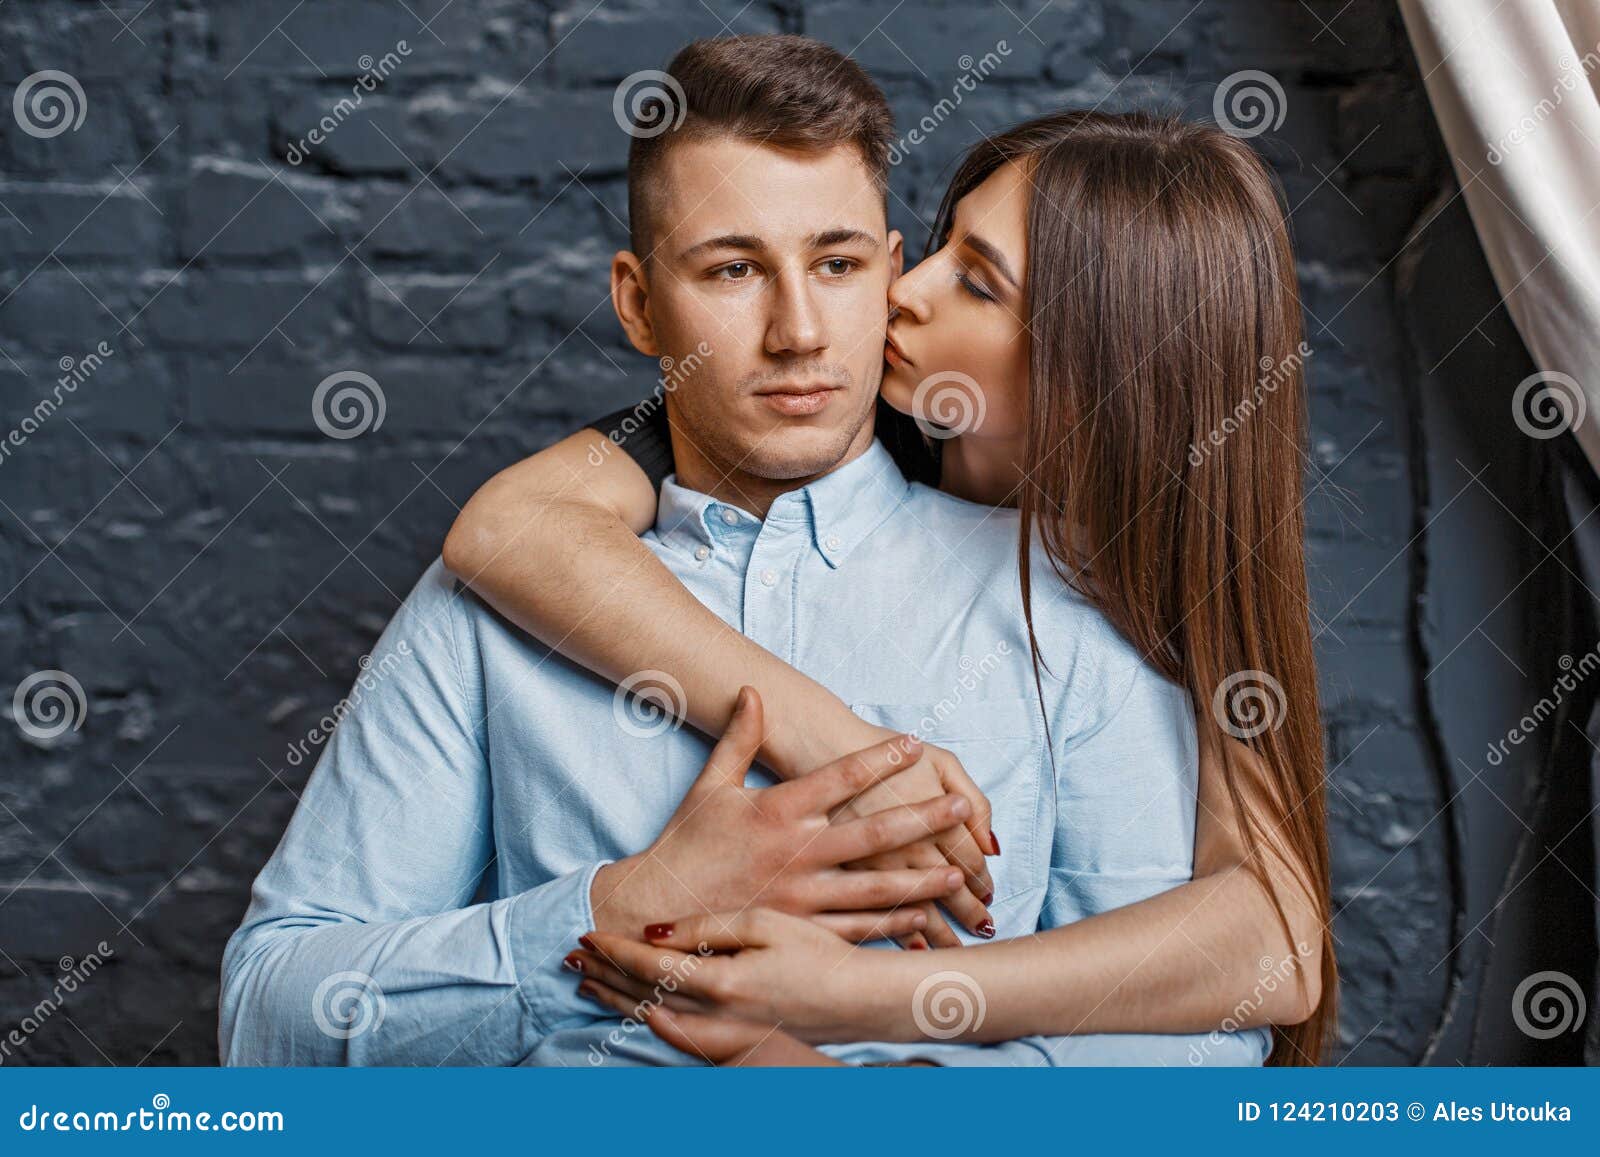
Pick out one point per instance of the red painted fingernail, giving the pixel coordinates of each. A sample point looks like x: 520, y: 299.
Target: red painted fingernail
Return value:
x: 586, y: 989
x: 572, y: 962
x: 587, y: 943
x: 987, y: 896
x: 658, y: 931
x: 986, y: 929
x: 917, y: 945
x: 995, y: 840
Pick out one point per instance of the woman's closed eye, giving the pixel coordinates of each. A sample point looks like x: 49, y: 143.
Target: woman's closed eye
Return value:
x: 973, y: 286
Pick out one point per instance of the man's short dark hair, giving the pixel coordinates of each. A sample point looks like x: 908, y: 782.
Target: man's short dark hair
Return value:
x: 786, y: 91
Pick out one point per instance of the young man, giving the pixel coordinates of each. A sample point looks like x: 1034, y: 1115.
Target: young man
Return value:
x: 483, y: 758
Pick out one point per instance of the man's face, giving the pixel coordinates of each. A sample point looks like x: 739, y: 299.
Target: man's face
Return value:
x: 779, y: 262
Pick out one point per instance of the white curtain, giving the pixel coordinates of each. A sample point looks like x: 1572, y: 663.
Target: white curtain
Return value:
x: 1515, y: 86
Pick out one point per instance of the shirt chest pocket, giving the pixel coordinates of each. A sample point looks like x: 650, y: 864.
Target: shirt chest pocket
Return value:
x: 1001, y: 744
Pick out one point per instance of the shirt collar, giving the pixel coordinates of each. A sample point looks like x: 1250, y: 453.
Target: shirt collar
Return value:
x: 840, y: 509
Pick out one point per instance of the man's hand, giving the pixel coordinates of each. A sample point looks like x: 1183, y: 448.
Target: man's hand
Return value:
x: 729, y: 847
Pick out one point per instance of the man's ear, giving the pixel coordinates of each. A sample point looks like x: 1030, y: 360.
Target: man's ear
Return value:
x: 630, y: 297
x: 897, y: 253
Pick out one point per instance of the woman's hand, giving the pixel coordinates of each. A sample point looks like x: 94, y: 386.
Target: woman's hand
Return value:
x: 937, y: 773
x: 717, y: 1040
x: 783, y: 970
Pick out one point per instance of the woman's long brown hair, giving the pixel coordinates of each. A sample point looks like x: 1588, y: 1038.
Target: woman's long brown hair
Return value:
x: 1165, y: 449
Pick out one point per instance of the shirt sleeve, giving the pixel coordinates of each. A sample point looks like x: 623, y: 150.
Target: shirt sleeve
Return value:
x: 643, y: 433
x: 361, y: 944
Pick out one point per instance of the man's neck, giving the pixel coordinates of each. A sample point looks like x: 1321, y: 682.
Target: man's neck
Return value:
x: 697, y: 470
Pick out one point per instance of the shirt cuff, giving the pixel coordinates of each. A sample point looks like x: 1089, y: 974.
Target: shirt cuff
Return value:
x: 545, y: 925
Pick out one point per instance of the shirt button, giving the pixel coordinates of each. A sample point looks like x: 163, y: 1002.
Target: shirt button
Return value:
x: 769, y: 577
x: 832, y: 542
x: 729, y: 516
x: 702, y: 553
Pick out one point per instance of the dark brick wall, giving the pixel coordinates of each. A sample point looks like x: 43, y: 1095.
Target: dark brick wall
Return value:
x: 182, y: 538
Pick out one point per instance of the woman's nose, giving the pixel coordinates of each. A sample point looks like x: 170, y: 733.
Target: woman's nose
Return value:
x: 907, y: 294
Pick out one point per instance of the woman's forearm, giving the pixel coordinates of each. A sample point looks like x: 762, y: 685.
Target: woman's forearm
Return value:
x: 1188, y: 960
x: 552, y: 545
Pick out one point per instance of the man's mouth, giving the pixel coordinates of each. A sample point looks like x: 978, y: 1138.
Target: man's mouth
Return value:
x: 799, y: 398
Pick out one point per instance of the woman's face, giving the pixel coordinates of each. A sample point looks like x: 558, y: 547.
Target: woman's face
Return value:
x: 957, y: 348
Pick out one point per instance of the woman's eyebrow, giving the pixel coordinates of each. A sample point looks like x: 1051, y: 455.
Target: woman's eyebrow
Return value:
x: 993, y: 256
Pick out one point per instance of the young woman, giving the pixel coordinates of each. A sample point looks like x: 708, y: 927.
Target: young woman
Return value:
x: 1124, y: 289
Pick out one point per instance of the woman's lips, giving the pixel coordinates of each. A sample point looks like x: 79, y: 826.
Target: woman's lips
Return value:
x: 892, y: 354
x: 799, y: 405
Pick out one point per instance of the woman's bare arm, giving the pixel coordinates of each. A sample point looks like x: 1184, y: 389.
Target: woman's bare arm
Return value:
x: 1207, y: 953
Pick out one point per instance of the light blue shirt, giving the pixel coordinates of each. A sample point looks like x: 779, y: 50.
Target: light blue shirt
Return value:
x: 438, y: 867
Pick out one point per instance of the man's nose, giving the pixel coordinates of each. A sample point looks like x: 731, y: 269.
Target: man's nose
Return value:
x: 796, y: 325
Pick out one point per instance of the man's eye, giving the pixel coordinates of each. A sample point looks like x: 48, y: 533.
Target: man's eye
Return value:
x: 839, y: 266
x: 738, y: 271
